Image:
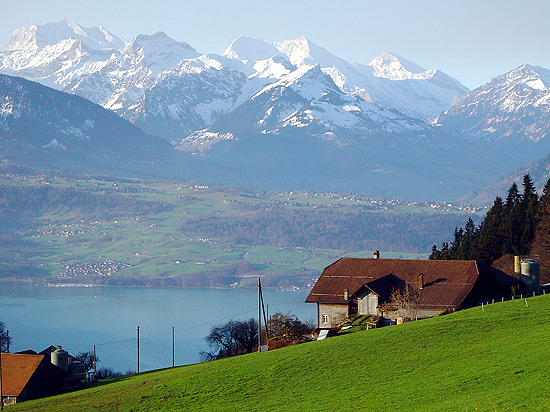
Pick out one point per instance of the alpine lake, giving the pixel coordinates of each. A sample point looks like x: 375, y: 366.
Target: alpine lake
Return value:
x: 108, y: 317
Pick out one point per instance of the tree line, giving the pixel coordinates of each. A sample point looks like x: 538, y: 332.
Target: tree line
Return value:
x: 28, y: 200
x: 510, y: 227
x: 351, y: 230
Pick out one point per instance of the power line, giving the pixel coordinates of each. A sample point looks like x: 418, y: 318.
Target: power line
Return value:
x: 162, y: 334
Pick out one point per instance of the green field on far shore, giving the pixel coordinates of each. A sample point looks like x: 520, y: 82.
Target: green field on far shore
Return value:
x: 92, y: 230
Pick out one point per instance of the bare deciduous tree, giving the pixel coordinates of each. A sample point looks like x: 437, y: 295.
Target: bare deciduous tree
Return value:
x: 406, y: 301
x: 287, y: 324
x: 232, y: 338
x: 4, y: 339
x: 87, y: 358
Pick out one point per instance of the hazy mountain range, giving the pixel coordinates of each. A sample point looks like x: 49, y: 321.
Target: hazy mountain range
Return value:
x: 289, y: 114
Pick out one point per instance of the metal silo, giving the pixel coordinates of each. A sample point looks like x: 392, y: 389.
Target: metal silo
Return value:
x: 530, y: 276
x: 60, y: 358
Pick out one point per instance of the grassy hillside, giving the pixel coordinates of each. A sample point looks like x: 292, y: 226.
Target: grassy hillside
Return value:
x: 496, y: 360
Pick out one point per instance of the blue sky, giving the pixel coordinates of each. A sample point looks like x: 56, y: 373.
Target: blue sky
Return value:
x: 472, y: 40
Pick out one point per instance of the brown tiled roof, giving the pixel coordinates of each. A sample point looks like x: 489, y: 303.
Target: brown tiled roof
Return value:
x: 446, y: 282
x: 383, y: 286
x: 17, y: 369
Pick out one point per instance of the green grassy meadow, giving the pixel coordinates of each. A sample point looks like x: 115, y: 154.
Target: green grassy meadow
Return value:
x: 473, y: 360
x: 156, y: 244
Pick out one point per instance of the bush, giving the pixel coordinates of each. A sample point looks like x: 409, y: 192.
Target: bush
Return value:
x: 104, y: 373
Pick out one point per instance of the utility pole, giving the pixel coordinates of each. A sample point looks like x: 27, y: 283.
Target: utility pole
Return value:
x: 138, y: 349
x: 95, y: 365
x: 7, y: 341
x: 259, y: 315
x: 267, y: 322
x: 173, y: 349
x: 265, y: 316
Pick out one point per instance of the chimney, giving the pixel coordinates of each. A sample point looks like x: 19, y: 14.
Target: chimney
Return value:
x: 376, y: 254
x: 420, y: 281
x: 346, y: 294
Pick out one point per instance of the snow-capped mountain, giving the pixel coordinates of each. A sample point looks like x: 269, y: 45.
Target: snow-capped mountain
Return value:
x: 306, y: 103
x: 33, y: 38
x: 511, y: 113
x: 52, y: 52
x: 388, y: 80
x: 169, y: 89
x: 280, y: 115
x: 142, y: 80
x: 410, y: 88
x: 304, y: 132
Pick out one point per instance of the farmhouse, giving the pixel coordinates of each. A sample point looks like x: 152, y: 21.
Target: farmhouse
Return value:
x: 397, y: 288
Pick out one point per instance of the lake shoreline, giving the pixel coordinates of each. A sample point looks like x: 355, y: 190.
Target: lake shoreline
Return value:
x: 48, y: 283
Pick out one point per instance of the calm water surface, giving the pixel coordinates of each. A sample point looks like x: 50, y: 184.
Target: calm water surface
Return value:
x: 79, y: 317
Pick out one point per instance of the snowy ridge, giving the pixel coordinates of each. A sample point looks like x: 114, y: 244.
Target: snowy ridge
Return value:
x: 390, y: 66
x: 169, y: 89
x: 250, y: 49
x: 304, y: 102
x: 33, y: 38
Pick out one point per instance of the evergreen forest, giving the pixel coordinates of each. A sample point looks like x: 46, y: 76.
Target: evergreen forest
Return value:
x: 519, y: 226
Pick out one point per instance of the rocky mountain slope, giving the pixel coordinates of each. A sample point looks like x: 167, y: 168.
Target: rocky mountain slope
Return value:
x: 510, y: 113
x: 43, y: 128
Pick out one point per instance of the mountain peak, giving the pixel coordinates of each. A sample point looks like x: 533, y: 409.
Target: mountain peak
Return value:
x: 72, y: 24
x: 298, y: 50
x: 303, y: 51
x: 395, y: 67
x: 250, y: 49
x: 534, y: 77
x: 160, y: 42
x: 32, y: 38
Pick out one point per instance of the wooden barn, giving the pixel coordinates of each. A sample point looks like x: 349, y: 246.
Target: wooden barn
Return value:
x: 398, y: 288
x: 28, y: 376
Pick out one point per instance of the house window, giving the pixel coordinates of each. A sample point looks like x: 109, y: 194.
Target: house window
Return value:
x: 325, y: 318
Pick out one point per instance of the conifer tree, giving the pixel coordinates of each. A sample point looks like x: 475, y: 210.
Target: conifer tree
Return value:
x: 455, y: 250
x: 467, y: 247
x: 528, y: 206
x: 512, y: 221
x: 491, y: 233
